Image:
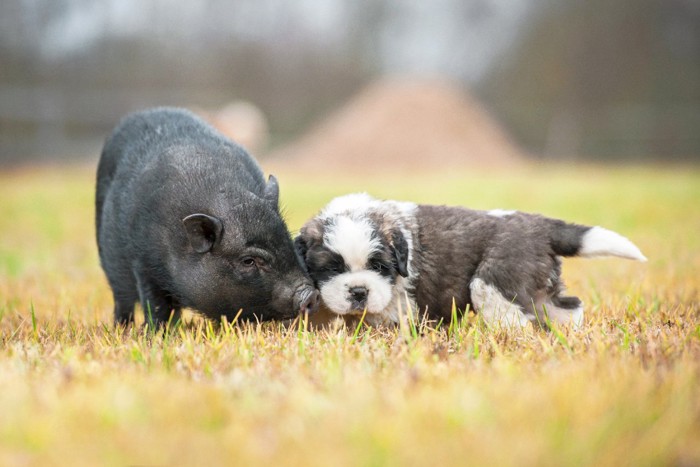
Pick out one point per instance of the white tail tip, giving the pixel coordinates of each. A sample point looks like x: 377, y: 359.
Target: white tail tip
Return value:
x: 603, y: 242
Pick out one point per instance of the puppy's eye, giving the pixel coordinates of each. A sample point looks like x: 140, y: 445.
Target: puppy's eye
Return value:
x: 378, y: 266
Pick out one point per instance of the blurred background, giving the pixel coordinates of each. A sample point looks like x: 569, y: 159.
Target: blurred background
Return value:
x: 446, y: 81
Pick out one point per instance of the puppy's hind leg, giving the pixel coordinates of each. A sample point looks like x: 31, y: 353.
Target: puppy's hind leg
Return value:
x: 563, y: 310
x: 494, y: 308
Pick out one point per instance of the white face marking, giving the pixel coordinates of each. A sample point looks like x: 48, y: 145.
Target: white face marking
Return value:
x: 603, y: 242
x: 352, y: 239
x: 355, y: 202
x: 494, y: 308
x: 500, y: 213
x: 335, y: 293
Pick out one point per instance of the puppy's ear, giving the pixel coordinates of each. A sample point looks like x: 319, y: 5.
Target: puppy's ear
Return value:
x: 400, y: 250
x: 312, y: 232
x: 301, y: 247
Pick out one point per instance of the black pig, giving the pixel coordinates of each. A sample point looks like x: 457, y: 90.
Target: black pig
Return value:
x: 185, y: 218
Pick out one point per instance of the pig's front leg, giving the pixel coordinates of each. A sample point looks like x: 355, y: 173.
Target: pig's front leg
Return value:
x: 158, y: 306
x: 123, y: 312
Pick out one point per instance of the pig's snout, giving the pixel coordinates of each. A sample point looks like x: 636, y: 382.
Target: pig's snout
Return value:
x: 306, y: 300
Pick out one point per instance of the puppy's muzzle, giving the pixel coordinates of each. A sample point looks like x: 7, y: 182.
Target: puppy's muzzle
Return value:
x: 358, y: 297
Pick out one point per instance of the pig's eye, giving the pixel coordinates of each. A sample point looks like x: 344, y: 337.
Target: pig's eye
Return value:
x: 251, y: 262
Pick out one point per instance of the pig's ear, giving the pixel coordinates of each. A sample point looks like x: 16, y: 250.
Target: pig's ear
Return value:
x: 272, y: 190
x: 203, y: 231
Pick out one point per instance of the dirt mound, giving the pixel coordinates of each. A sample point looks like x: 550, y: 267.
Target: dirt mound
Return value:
x: 399, y: 124
x: 241, y: 121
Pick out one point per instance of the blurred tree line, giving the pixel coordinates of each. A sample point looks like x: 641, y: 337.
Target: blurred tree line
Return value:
x: 605, y: 79
x: 570, y: 78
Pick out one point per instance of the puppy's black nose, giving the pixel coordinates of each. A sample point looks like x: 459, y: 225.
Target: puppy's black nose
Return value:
x: 359, y: 294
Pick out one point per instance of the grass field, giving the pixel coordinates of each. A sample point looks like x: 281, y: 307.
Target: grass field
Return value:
x: 624, y: 390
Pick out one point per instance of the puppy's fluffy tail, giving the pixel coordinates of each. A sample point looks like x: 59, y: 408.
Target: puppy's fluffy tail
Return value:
x: 579, y: 240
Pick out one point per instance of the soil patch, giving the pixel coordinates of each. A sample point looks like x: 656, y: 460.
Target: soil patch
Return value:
x: 402, y: 125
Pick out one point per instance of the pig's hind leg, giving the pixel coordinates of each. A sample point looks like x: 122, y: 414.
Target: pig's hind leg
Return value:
x: 125, y: 298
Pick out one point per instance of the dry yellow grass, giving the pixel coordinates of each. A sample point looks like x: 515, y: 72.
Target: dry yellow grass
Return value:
x: 625, y: 390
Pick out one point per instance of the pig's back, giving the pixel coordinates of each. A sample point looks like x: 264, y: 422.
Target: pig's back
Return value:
x: 172, y: 146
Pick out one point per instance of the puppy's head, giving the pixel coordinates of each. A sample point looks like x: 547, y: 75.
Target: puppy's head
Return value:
x: 355, y: 259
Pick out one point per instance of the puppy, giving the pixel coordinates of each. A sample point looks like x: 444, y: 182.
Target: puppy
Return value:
x: 387, y: 258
